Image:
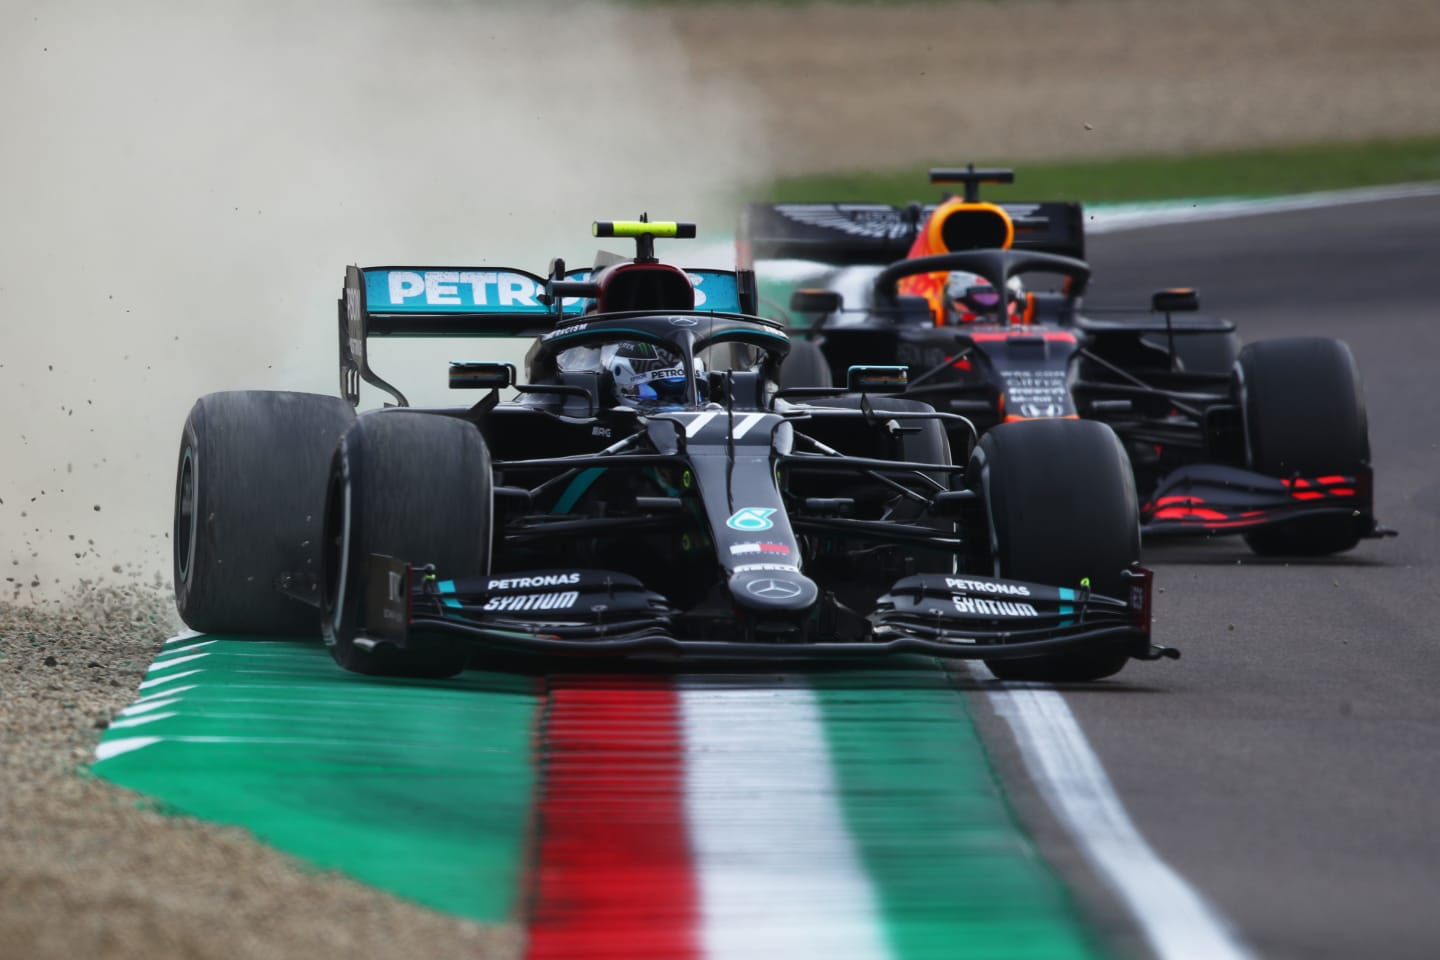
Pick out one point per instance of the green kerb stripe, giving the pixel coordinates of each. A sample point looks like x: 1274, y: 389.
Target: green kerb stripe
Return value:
x: 955, y: 875
x: 420, y: 788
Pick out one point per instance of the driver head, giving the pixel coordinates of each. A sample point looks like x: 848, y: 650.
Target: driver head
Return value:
x: 647, y: 377
x: 970, y: 297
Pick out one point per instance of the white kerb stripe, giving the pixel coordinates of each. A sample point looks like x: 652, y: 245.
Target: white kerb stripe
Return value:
x: 110, y: 749
x: 1174, y: 917
x: 125, y: 723
x: 777, y: 870
x: 188, y: 648
x: 169, y: 678
x: 167, y: 664
x: 147, y: 706
x: 163, y: 694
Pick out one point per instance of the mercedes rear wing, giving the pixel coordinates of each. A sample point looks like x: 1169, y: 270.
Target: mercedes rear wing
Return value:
x: 482, y: 302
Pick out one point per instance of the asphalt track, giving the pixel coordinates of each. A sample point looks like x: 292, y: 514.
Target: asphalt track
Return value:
x: 1288, y: 765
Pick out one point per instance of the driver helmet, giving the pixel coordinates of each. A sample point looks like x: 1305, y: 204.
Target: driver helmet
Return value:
x: 647, y: 377
x: 970, y: 297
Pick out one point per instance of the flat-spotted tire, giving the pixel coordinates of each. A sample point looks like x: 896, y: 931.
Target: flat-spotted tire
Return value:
x: 249, y: 497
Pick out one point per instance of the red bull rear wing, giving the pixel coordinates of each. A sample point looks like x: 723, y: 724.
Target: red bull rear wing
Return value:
x: 857, y: 234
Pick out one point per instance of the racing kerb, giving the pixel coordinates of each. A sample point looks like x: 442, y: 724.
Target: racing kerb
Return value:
x: 824, y: 813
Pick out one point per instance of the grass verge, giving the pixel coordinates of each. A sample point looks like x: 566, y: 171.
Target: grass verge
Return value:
x: 1267, y: 172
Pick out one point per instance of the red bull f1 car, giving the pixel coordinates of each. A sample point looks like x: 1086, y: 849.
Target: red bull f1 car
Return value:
x: 649, y: 490
x: 982, y: 304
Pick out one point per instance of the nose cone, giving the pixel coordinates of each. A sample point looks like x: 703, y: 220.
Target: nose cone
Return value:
x: 773, y: 591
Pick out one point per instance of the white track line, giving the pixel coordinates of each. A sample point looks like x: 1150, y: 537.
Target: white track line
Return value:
x: 1114, y: 218
x: 778, y: 872
x: 1173, y: 916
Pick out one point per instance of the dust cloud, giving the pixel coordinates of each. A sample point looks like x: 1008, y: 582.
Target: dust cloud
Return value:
x: 181, y: 186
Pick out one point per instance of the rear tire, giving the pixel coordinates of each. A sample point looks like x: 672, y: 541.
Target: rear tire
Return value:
x: 805, y: 366
x: 1060, y: 497
x: 249, y: 498
x: 1304, y: 416
x: 416, y: 487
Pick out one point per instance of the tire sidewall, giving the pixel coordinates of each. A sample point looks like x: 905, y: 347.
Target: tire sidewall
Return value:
x: 340, y: 615
x: 185, y: 532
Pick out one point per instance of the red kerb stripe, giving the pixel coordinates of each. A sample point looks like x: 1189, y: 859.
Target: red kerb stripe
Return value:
x: 612, y: 876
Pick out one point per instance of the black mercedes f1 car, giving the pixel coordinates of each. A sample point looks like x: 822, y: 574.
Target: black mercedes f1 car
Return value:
x: 1269, y: 441
x: 649, y: 490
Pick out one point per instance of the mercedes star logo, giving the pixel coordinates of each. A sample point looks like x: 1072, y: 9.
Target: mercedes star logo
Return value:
x: 773, y: 589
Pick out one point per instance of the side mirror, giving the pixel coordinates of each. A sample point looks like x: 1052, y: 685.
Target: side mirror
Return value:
x: 1175, y: 300
x: 481, y: 376
x: 560, y: 289
x: 867, y: 379
x: 816, y: 301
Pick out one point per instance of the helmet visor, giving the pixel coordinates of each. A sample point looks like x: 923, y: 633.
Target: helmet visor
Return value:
x: 662, y: 390
x: 981, y: 296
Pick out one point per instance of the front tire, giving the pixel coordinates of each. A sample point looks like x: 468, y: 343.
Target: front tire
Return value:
x: 249, y: 497
x: 416, y: 487
x: 1304, y: 416
x: 1060, y: 498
